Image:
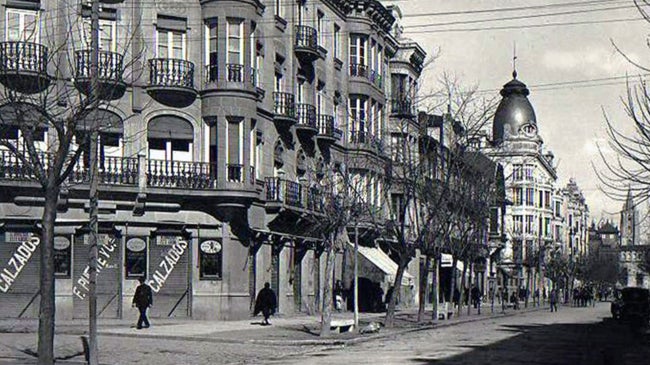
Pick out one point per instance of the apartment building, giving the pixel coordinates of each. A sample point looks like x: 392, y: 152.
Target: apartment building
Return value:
x: 216, y: 120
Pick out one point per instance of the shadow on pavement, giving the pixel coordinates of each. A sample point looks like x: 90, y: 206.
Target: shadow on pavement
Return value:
x: 605, y: 343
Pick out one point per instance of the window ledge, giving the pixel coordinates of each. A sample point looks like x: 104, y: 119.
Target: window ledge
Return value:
x: 280, y: 23
x: 338, y: 64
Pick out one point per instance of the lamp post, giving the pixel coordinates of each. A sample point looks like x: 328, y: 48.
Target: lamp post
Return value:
x: 93, y: 357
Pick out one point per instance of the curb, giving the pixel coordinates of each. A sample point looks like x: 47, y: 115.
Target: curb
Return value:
x: 319, y: 342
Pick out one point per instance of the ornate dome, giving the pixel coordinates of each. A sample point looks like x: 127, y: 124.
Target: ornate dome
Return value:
x: 514, y: 112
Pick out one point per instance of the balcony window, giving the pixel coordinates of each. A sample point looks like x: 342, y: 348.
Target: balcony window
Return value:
x: 337, y: 41
x: 358, y: 115
x: 170, y: 44
x: 170, y: 138
x: 320, y: 24
x: 107, y: 34
x: 211, y: 54
x: 358, y: 52
x: 235, y: 46
x: 22, y: 26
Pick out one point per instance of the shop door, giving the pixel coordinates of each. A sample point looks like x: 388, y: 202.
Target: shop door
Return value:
x: 19, y: 275
x: 108, y: 277
x: 169, y: 276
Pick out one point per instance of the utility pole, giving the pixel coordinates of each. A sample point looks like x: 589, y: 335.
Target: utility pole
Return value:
x: 93, y: 356
x: 356, y: 276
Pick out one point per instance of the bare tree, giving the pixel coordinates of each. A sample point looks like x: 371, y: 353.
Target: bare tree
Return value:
x: 46, y: 122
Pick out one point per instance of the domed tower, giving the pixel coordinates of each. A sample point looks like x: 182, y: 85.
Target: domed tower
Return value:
x: 515, y: 115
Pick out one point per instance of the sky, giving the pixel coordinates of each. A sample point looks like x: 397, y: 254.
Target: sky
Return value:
x: 570, y: 117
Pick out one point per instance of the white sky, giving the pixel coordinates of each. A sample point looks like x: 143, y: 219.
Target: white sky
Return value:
x: 570, y: 118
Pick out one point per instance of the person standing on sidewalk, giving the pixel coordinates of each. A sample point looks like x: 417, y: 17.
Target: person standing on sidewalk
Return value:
x: 552, y: 298
x: 143, y: 299
x: 265, y: 303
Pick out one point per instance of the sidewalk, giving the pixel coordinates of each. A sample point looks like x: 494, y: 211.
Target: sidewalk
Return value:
x: 295, y: 330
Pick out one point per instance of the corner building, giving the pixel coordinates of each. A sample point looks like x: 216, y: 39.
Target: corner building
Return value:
x: 530, y: 178
x: 214, y: 115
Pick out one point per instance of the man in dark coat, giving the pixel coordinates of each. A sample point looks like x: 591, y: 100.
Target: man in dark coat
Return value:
x: 265, y: 303
x: 143, y: 299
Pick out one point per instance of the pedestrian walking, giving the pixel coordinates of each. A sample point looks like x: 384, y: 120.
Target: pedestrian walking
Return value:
x: 142, y: 299
x: 553, y: 300
x: 266, y: 303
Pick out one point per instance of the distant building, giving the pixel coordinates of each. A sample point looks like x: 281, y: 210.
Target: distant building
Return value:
x: 629, y: 222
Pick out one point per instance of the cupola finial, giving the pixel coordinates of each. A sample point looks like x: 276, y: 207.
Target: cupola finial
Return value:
x: 514, y: 60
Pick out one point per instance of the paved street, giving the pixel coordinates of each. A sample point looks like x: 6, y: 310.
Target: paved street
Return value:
x: 571, y: 336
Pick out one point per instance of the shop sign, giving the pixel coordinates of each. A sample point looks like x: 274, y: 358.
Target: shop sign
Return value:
x: 104, y: 253
x: 210, y: 247
x: 17, y: 237
x: 17, y: 262
x: 168, y: 240
x: 167, y: 265
x: 136, y: 244
x: 61, y: 243
x: 446, y: 260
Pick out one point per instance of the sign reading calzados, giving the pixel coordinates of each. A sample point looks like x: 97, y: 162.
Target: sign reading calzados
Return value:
x: 169, y: 261
x: 17, y: 262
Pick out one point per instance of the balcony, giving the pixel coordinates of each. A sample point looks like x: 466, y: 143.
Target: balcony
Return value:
x: 280, y: 192
x: 181, y: 174
x: 110, y: 69
x: 234, y: 72
x: 363, y: 139
x: 306, y: 119
x: 377, y: 79
x: 327, y: 132
x: 23, y: 67
x: 211, y: 73
x: 112, y: 170
x: 306, y: 46
x: 234, y: 172
x: 359, y: 70
x: 401, y: 107
x: 171, y: 82
x: 255, y: 80
x: 284, y: 108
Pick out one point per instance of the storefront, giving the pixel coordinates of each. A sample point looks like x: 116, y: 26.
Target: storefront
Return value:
x: 19, y: 273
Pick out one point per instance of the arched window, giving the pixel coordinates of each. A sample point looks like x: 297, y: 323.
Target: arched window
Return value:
x: 15, y: 115
x: 170, y: 138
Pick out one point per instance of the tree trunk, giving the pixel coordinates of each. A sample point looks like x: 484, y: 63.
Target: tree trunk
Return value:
x: 394, y: 294
x: 527, y: 287
x: 461, y: 300
x: 469, y: 293
x: 47, y: 304
x: 424, y: 279
x: 434, y: 285
x: 452, y: 285
x: 326, y: 313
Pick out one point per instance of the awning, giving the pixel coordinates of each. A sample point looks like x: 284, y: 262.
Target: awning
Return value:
x: 107, y: 121
x: 383, y: 262
x: 170, y: 127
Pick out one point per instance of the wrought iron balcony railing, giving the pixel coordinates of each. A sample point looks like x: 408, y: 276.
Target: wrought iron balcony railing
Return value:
x: 171, y: 72
x: 306, y: 37
x: 110, y: 66
x: 327, y: 127
x: 181, y: 174
x: 23, y: 56
x: 284, y: 104
x: 358, y: 70
x: 234, y: 72
x: 307, y: 115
